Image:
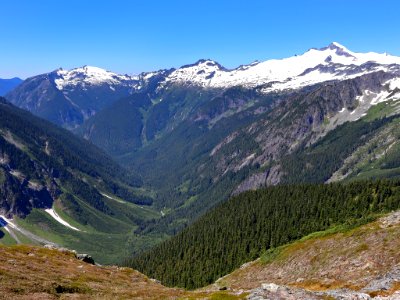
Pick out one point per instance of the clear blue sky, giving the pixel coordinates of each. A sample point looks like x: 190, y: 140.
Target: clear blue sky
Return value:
x: 38, y: 36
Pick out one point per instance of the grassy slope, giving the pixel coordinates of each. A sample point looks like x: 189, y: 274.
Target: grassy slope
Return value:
x: 109, y: 242
x: 28, y: 272
x: 336, y: 258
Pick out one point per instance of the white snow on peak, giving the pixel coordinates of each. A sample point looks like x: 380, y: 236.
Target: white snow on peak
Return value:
x: 89, y: 75
x: 281, y: 74
x: 333, y: 62
x: 200, y: 72
x: 336, y: 44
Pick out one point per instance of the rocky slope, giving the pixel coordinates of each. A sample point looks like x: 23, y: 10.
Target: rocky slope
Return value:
x: 28, y: 272
x: 362, y: 263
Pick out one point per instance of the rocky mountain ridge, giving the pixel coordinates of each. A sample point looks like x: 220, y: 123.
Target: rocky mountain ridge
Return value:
x: 68, y: 98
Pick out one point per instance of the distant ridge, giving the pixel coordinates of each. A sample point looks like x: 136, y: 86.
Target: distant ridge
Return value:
x: 7, y: 85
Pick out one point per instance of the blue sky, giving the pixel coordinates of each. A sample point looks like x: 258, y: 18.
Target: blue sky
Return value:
x: 135, y: 36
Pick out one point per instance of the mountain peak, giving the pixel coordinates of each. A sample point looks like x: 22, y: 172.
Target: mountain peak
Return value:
x: 338, y: 49
x: 204, y: 63
x: 90, y: 70
x: 336, y: 45
x: 89, y: 75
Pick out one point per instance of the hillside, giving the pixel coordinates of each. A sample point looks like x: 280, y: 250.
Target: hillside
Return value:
x: 335, y: 263
x: 28, y: 272
x: 242, y: 228
x: 61, y: 189
x: 339, y: 263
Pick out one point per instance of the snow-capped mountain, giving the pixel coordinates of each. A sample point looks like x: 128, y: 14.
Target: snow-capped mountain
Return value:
x: 69, y: 97
x: 193, y: 125
x: 316, y: 65
x: 91, y: 76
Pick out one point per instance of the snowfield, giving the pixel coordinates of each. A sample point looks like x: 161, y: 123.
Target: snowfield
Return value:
x: 289, y: 73
x: 56, y: 217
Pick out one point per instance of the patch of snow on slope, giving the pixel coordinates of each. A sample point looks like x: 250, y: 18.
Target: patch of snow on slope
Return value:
x: 112, y: 198
x: 10, y: 226
x: 56, y: 217
x: 394, y: 83
x: 365, y: 102
x: 381, y: 97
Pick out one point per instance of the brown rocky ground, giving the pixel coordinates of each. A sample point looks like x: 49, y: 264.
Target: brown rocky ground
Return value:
x: 28, y: 272
x: 361, y: 263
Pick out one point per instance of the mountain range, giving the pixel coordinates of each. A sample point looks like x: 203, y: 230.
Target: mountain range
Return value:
x: 169, y: 159
x: 215, y: 132
x: 76, y: 95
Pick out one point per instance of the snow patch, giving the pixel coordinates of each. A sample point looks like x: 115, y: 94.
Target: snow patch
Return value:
x: 112, y: 198
x: 56, y: 217
x: 11, y: 225
x: 394, y: 83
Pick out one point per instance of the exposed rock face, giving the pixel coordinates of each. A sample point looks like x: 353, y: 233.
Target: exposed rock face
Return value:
x: 86, y: 258
x: 392, y: 219
x: 259, y: 180
x: 299, y: 119
x: 17, y: 197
